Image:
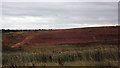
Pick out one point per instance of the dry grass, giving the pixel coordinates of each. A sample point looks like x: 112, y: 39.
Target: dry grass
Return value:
x: 100, y: 55
x: 64, y: 48
x: 75, y: 63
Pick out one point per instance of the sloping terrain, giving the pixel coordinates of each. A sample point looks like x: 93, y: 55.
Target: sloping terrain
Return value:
x: 65, y: 36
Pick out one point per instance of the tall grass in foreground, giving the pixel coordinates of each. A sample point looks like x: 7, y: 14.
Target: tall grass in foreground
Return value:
x: 91, y: 55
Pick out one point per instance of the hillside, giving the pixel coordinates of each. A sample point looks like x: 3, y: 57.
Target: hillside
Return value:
x: 64, y: 36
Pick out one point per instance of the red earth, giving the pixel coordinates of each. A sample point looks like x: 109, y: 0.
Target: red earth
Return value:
x: 76, y: 35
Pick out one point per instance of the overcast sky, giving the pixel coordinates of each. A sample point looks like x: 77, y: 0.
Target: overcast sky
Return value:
x: 58, y: 15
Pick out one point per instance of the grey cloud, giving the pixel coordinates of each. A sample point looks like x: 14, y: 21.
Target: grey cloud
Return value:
x: 65, y: 12
x: 37, y: 9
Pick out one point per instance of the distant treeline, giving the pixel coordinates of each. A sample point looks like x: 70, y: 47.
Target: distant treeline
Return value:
x: 9, y: 30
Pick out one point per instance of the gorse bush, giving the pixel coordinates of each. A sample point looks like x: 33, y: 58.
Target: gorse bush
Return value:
x: 9, y: 49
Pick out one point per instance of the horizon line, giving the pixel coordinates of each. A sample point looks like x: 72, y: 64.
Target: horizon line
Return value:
x: 54, y: 28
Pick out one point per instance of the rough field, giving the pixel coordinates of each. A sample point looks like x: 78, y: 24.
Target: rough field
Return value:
x: 96, y: 46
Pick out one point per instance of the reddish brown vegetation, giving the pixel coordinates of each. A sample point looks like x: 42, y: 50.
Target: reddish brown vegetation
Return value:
x: 78, y: 35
